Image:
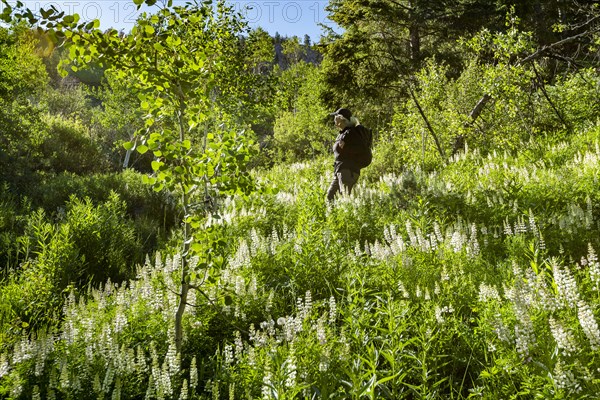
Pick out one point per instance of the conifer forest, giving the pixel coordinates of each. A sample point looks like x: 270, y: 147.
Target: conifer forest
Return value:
x: 165, y: 231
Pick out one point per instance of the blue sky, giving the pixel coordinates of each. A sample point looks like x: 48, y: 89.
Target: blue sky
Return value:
x: 288, y: 17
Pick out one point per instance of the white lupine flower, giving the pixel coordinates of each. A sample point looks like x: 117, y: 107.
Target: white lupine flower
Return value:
x: 255, y: 242
x: 507, y: 228
x: 35, y: 393
x: 298, y: 247
x: 324, y: 362
x: 228, y: 353
x: 521, y: 302
x: 183, y: 395
x: 116, y: 394
x: 108, y: 378
x: 387, y: 235
x: 307, y: 304
x: 4, y: 366
x: 321, y: 334
x: 295, y: 325
x: 252, y: 289
x: 474, y: 244
x: 532, y: 224
x: 411, y: 235
x: 438, y: 232
x: 541, y: 242
x: 239, y: 346
x: 456, y: 242
x: 564, y: 339
x: 232, y: 391
x: 357, y: 250
x: 520, y: 226
x: 566, y: 285
x: 565, y: 380
x: 593, y: 266
x: 524, y: 339
x: 251, y: 356
x: 589, y: 216
x: 53, y: 380
x: 403, y: 290
x: 367, y: 248
x: 438, y: 315
x: 141, y: 359
x: 290, y: 369
x: 165, y: 381
x: 488, y: 292
x: 332, y: 311
x: 172, y: 359
x: 64, y: 380
x: 433, y: 242
x: 96, y: 385
x: 444, y: 276
x: 120, y: 320
x: 193, y: 373
x: 423, y: 244
x: 588, y: 324
x: 266, y: 386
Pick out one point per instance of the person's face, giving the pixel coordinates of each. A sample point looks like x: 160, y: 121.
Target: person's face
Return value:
x: 339, y: 121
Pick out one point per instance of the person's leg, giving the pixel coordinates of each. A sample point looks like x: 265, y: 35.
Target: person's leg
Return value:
x: 347, y: 179
x: 334, y: 188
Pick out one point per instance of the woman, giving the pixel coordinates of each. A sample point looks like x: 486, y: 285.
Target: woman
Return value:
x: 346, y: 147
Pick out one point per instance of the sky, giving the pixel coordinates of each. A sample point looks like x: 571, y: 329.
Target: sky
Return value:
x: 287, y: 17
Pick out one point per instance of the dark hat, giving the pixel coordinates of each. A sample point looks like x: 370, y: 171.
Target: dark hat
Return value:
x: 344, y: 112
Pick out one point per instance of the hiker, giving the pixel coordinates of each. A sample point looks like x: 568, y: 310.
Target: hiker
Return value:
x: 349, y: 150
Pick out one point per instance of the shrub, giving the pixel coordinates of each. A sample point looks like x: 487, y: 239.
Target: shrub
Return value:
x: 68, y: 147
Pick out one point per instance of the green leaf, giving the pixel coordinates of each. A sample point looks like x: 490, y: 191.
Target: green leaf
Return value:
x: 142, y: 149
x: 128, y: 145
x: 196, y: 247
x: 149, y: 29
x: 148, y: 180
x: 156, y: 165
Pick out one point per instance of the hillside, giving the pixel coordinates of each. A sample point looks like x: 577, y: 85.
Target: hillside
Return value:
x: 477, y: 279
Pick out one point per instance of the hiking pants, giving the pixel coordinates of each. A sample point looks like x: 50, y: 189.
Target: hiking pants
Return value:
x: 344, y: 180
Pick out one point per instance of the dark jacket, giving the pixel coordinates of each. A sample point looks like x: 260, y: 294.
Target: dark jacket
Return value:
x: 345, y: 158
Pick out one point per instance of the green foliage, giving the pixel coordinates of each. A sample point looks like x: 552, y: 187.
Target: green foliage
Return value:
x: 301, y: 130
x: 69, y: 147
x: 472, y: 275
x: 90, y: 244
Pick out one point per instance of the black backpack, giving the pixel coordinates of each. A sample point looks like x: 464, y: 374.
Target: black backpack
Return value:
x: 364, y: 158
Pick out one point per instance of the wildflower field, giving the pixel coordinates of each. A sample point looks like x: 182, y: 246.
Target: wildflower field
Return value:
x: 165, y: 233
x: 479, y: 280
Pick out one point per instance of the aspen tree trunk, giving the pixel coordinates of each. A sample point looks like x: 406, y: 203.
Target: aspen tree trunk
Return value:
x: 185, y: 273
